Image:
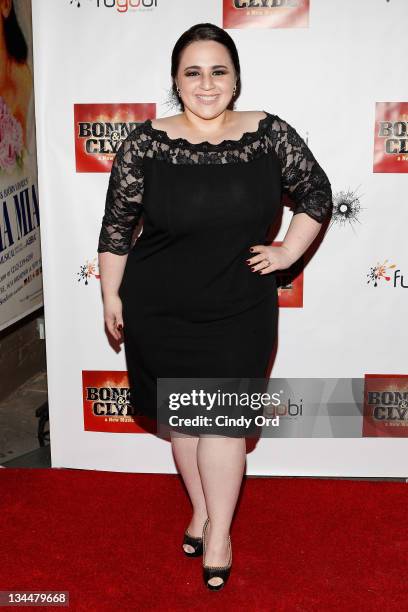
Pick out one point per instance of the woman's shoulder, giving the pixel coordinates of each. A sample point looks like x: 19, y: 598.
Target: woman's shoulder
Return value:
x: 163, y: 123
x: 251, y: 121
x: 137, y: 140
x: 246, y: 121
x: 265, y: 120
x: 251, y: 114
x: 245, y: 118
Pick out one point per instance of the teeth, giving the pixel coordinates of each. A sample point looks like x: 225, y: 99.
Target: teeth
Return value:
x: 207, y: 97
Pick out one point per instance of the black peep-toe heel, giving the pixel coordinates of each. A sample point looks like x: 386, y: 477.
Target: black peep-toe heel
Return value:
x: 212, y: 571
x: 194, y: 542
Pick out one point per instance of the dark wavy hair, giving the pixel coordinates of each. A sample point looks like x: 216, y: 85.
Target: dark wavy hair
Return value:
x: 203, y: 31
x: 16, y: 45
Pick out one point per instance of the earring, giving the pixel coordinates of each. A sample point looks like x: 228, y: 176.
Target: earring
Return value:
x: 234, y: 90
x: 178, y: 90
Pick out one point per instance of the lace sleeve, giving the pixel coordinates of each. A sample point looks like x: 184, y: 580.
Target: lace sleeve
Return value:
x: 123, y: 205
x: 303, y: 179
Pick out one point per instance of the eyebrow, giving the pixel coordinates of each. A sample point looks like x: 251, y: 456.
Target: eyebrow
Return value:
x: 216, y: 66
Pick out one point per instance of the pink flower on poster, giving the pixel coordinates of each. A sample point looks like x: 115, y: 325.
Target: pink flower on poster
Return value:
x: 11, y: 139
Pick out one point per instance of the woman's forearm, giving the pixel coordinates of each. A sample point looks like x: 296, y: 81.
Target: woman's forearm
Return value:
x: 111, y: 269
x: 300, y: 235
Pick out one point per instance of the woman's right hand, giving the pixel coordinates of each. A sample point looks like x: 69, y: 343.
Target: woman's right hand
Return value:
x: 112, y: 311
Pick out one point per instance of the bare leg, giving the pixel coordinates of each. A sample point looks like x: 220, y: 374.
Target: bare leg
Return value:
x: 221, y: 463
x: 185, y: 454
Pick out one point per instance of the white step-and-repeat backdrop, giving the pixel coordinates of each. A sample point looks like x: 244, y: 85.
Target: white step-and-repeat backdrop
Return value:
x: 336, y: 72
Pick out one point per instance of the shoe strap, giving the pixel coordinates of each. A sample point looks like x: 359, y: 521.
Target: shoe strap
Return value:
x: 188, y: 538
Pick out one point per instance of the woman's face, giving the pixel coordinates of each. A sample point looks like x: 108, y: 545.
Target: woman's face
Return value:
x: 206, y: 77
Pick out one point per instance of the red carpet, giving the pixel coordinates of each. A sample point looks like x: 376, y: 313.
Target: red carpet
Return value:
x: 113, y: 541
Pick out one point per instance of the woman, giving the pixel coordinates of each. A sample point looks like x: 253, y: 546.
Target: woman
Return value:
x: 197, y: 289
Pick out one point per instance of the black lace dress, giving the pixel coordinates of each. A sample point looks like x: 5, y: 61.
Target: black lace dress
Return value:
x: 192, y: 307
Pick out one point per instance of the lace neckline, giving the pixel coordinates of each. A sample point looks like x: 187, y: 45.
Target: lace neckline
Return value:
x: 246, y: 138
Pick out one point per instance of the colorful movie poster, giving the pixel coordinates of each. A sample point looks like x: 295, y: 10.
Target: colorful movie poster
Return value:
x: 385, y: 405
x: 107, y: 403
x: 266, y: 14
x: 20, y: 248
x: 100, y: 128
x: 391, y: 137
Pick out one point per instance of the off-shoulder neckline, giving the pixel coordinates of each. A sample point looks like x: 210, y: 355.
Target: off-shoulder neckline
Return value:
x: 246, y: 137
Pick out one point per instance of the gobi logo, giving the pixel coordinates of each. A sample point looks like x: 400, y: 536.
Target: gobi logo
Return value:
x: 386, y: 272
x: 285, y: 410
x: 122, y: 6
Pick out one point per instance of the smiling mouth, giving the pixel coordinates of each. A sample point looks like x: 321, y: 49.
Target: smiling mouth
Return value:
x: 207, y: 99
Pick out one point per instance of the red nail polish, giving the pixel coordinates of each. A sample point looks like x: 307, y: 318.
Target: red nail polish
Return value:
x: 252, y: 269
x: 120, y: 326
